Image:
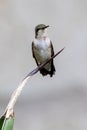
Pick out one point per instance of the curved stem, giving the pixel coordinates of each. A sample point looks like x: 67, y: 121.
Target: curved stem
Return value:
x: 17, y: 92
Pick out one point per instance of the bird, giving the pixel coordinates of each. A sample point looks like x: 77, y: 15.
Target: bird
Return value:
x: 42, y: 50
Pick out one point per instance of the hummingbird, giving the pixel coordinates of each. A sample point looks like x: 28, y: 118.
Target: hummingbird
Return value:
x: 42, y: 50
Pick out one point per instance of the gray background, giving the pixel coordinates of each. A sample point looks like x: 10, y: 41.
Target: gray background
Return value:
x: 46, y: 103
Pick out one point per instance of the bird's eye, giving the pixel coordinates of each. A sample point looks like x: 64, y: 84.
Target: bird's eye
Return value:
x: 37, y: 30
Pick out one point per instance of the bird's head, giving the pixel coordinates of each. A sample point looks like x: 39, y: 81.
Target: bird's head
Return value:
x: 41, y: 30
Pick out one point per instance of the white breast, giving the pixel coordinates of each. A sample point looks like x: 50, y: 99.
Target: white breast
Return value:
x: 42, y: 49
x: 42, y: 43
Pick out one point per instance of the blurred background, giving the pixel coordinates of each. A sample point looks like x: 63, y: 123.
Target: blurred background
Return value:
x: 45, y: 103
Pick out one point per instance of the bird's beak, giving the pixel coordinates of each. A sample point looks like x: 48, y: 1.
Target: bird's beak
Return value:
x: 46, y: 26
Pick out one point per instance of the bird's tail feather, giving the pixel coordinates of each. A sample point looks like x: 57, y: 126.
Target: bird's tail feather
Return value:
x: 45, y: 72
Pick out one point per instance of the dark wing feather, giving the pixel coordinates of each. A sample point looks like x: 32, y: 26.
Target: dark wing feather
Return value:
x: 33, y: 53
x: 52, y: 64
x: 52, y: 49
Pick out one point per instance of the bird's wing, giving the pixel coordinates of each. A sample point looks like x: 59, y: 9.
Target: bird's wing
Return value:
x: 33, y: 53
x: 52, y: 49
x: 52, y: 64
